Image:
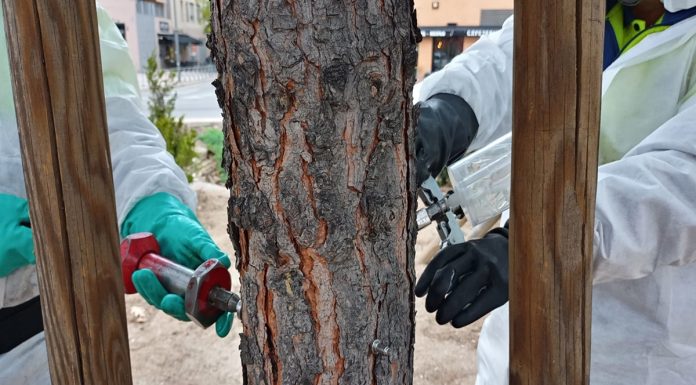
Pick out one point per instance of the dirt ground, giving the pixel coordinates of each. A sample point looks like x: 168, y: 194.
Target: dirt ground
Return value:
x: 166, y: 351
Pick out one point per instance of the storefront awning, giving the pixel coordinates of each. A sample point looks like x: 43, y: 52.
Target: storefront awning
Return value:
x: 183, y: 39
x: 456, y: 30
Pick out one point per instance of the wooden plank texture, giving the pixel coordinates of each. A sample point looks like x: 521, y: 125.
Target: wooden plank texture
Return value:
x: 58, y: 91
x: 558, y: 66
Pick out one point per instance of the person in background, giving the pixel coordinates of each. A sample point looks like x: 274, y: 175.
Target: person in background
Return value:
x: 644, y: 307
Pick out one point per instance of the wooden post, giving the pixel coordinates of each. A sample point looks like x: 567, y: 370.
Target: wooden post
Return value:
x: 558, y: 67
x: 59, y: 98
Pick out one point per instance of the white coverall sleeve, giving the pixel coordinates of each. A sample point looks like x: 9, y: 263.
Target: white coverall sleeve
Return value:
x: 141, y: 164
x: 646, y: 203
x: 482, y: 76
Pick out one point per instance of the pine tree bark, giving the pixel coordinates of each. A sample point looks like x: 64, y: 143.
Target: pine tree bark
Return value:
x: 316, y: 98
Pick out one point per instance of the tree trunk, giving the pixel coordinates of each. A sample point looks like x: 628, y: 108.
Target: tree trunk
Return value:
x: 316, y: 98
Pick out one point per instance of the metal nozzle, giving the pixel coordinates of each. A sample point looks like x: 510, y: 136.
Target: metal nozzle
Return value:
x: 434, y: 212
x: 225, y: 300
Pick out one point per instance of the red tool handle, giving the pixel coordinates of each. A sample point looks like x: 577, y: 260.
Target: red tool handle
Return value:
x: 205, y: 290
x: 141, y: 251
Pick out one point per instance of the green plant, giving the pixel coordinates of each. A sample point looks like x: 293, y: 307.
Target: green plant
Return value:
x: 443, y: 178
x: 205, y: 15
x: 214, y: 139
x: 180, y: 140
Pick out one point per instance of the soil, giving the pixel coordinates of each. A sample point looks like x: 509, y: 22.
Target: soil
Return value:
x: 167, y: 351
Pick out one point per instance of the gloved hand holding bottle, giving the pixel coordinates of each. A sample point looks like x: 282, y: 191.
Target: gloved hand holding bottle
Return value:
x: 446, y: 127
x: 466, y: 281
x: 182, y: 239
x: 16, y: 242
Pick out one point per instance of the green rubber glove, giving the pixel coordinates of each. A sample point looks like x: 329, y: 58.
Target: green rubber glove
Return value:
x: 16, y: 242
x: 182, y: 239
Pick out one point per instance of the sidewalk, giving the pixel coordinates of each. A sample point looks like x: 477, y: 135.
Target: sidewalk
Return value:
x: 187, y: 75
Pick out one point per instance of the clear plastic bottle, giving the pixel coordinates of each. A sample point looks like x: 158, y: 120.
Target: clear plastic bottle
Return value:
x: 481, y: 181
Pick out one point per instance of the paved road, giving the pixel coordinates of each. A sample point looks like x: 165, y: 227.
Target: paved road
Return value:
x: 197, y: 102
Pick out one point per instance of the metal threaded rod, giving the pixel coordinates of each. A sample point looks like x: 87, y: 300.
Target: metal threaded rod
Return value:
x: 225, y: 300
x: 379, y: 349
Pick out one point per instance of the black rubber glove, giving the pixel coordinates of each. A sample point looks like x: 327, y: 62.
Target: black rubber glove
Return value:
x: 467, y: 280
x: 446, y: 127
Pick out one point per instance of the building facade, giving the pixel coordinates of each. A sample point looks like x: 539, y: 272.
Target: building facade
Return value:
x: 450, y: 26
x: 149, y: 25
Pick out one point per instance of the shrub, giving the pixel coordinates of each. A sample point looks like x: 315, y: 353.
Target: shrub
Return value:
x: 213, y: 139
x: 180, y: 140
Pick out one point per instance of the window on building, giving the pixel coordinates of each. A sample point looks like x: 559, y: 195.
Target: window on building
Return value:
x: 159, y: 10
x: 169, y: 9
x: 444, y: 50
x: 122, y: 28
x: 180, y: 16
x: 145, y: 7
x: 192, y: 14
x: 198, y: 13
x: 494, y: 17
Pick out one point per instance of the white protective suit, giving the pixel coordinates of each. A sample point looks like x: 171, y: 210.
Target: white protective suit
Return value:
x: 141, y: 167
x: 644, y: 294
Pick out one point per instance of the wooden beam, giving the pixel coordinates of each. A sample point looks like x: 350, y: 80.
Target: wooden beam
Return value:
x: 558, y: 68
x: 59, y: 98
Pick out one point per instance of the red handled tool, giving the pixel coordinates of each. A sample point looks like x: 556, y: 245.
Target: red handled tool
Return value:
x: 206, y: 290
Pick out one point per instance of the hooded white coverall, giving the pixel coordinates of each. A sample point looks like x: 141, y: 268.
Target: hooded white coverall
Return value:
x: 141, y: 167
x: 644, y: 293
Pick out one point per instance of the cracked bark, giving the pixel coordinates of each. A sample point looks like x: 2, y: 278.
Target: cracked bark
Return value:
x: 316, y: 99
